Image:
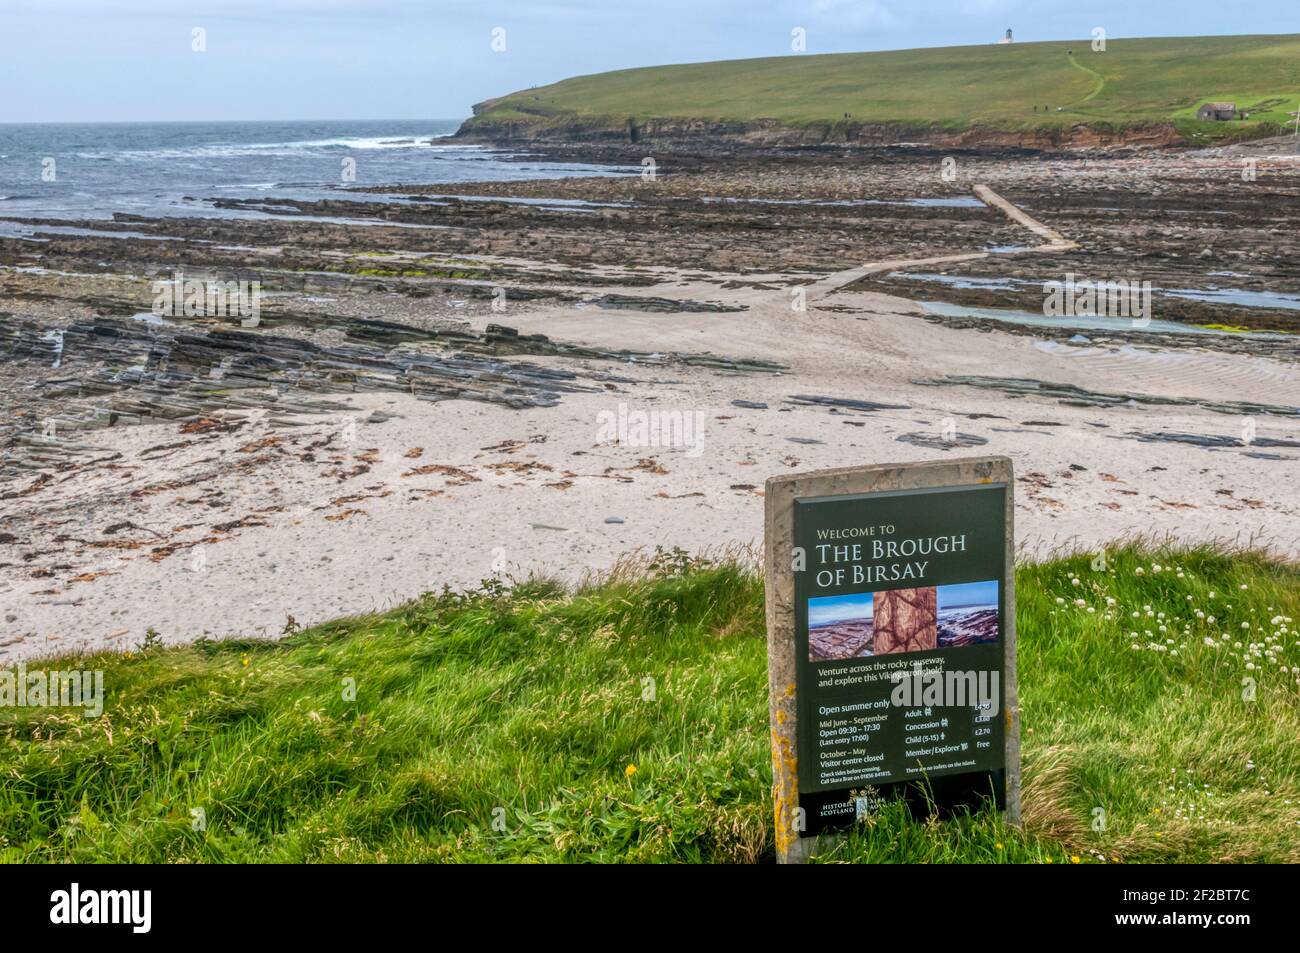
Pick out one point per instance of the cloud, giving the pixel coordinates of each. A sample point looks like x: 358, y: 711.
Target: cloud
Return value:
x: 984, y: 8
x: 289, y: 9
x: 853, y: 14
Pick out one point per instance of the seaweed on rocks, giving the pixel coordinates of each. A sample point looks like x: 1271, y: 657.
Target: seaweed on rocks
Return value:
x: 116, y: 372
x: 1073, y: 396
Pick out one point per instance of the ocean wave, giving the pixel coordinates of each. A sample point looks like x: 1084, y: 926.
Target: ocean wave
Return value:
x: 292, y: 148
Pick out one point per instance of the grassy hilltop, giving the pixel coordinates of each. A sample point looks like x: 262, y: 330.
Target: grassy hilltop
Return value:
x: 950, y: 89
x: 627, y: 721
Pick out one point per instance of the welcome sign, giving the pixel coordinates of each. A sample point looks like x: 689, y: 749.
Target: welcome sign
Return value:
x: 891, y: 643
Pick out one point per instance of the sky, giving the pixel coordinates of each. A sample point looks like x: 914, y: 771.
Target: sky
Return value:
x: 134, y: 60
x: 824, y: 609
x: 968, y: 594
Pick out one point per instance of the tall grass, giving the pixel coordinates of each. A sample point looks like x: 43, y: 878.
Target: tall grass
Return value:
x: 627, y: 721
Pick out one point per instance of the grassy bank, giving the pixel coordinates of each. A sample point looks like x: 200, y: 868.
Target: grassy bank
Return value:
x: 1015, y: 88
x: 628, y: 722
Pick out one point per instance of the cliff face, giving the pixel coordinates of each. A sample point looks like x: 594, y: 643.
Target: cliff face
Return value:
x: 513, y: 127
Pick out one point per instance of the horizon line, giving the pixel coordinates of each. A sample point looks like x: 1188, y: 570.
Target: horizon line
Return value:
x: 178, y: 122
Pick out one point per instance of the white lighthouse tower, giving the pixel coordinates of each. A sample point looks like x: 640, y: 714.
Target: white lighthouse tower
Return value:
x: 1007, y: 38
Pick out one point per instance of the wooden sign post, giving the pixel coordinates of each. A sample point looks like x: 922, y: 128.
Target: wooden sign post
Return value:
x: 891, y: 643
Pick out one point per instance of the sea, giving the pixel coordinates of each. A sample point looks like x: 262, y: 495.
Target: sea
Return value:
x: 98, y: 170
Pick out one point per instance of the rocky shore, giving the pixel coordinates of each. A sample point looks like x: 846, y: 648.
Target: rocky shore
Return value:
x: 427, y: 394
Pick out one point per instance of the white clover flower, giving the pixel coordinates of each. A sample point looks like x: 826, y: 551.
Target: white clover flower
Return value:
x: 1060, y: 601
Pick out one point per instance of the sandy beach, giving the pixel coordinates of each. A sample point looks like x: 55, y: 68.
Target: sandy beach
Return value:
x: 340, y: 475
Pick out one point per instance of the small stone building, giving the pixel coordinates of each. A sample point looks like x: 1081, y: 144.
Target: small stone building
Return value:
x: 1218, y: 112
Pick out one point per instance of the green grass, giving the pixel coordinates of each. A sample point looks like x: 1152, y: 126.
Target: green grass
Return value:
x: 1132, y: 82
x: 528, y: 708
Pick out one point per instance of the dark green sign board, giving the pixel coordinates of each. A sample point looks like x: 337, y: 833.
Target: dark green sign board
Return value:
x: 900, y: 642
